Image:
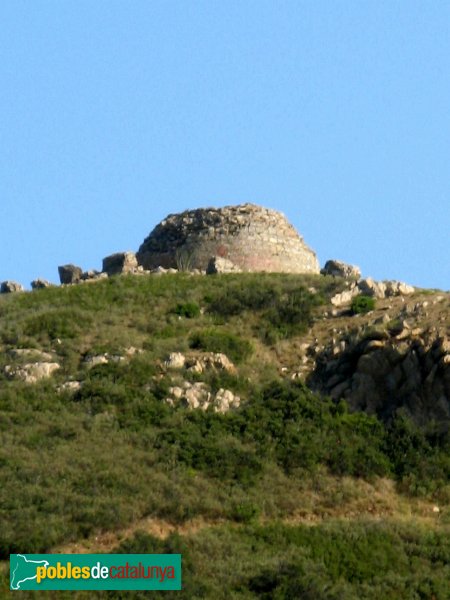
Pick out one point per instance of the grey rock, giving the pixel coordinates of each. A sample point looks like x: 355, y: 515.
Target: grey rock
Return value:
x: 10, y: 287
x: 30, y: 354
x: 176, y: 360
x: 337, y: 268
x: 98, y: 359
x: 92, y: 274
x: 120, y: 262
x: 38, y: 284
x: 69, y: 386
x: 69, y: 274
x: 31, y: 372
x: 369, y: 287
x: 344, y: 297
x: 398, y: 288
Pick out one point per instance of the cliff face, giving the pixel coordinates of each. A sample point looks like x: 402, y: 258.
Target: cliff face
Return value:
x: 251, y: 237
x: 395, y: 358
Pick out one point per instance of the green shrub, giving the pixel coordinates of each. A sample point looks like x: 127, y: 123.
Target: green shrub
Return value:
x: 187, y: 309
x: 362, y: 304
x: 59, y: 323
x: 210, y: 340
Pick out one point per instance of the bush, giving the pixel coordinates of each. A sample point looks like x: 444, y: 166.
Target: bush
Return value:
x: 362, y: 304
x: 187, y: 309
x: 212, y: 340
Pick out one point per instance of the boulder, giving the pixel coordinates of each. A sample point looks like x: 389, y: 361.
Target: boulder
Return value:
x: 38, y: 284
x: 120, y: 262
x: 369, y: 287
x: 210, y: 360
x: 97, y: 359
x: 398, y: 288
x: 198, y: 396
x: 31, y: 372
x: 88, y: 275
x: 69, y: 386
x: 218, y: 264
x: 31, y: 354
x: 344, y: 297
x: 9, y: 287
x: 224, y: 400
x: 69, y: 274
x: 176, y: 360
x: 337, y: 268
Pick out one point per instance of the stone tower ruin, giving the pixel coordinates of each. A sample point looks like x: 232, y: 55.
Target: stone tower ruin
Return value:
x: 252, y: 237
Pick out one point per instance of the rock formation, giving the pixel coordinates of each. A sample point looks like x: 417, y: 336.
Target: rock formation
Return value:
x: 121, y: 262
x: 251, y: 237
x: 387, y: 370
x: 338, y: 268
x: 69, y: 274
x: 9, y: 287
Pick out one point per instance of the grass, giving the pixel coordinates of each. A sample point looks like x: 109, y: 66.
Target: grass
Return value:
x: 115, y: 454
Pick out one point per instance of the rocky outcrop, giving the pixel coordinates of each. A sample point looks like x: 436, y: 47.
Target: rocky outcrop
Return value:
x: 398, y: 288
x: 30, y: 354
x: 120, y: 262
x: 251, y: 237
x: 369, y: 287
x: 10, y: 287
x: 31, y: 372
x: 69, y: 274
x: 337, y: 268
x: 388, y: 369
x: 344, y: 298
x: 384, y: 289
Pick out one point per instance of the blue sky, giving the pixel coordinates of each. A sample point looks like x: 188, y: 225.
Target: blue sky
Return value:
x: 114, y: 114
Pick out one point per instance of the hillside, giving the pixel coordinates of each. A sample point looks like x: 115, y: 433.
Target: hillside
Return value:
x: 287, y: 448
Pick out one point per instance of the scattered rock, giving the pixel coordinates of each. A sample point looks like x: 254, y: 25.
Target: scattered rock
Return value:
x: 69, y: 274
x: 198, y: 396
x: 217, y: 264
x: 31, y: 372
x: 338, y: 268
x: 225, y: 400
x: 210, y: 360
x: 38, y: 284
x: 10, y: 287
x: 398, y: 288
x: 31, y: 353
x: 98, y: 359
x: 176, y: 360
x: 369, y: 287
x: 162, y: 271
x: 120, y: 262
x: 92, y: 274
x: 69, y: 386
x: 383, y: 320
x: 344, y: 297
x: 198, y: 363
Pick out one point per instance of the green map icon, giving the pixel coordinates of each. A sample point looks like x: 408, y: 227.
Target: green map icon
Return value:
x: 24, y: 569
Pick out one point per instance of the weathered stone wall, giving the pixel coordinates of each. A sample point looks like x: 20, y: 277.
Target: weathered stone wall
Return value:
x: 252, y: 237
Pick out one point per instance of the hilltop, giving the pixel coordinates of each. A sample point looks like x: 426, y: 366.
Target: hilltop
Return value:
x: 203, y: 414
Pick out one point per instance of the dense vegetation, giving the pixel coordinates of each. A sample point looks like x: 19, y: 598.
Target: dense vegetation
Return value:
x: 114, y: 452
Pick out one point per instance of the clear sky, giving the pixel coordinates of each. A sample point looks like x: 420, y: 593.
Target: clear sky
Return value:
x: 115, y: 113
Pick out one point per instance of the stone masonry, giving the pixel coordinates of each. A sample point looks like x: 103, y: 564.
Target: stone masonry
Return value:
x: 251, y: 237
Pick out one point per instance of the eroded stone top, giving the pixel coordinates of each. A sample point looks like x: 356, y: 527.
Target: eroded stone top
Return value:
x: 252, y: 237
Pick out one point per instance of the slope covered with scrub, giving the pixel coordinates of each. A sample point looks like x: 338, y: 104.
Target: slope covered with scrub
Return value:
x: 290, y: 494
